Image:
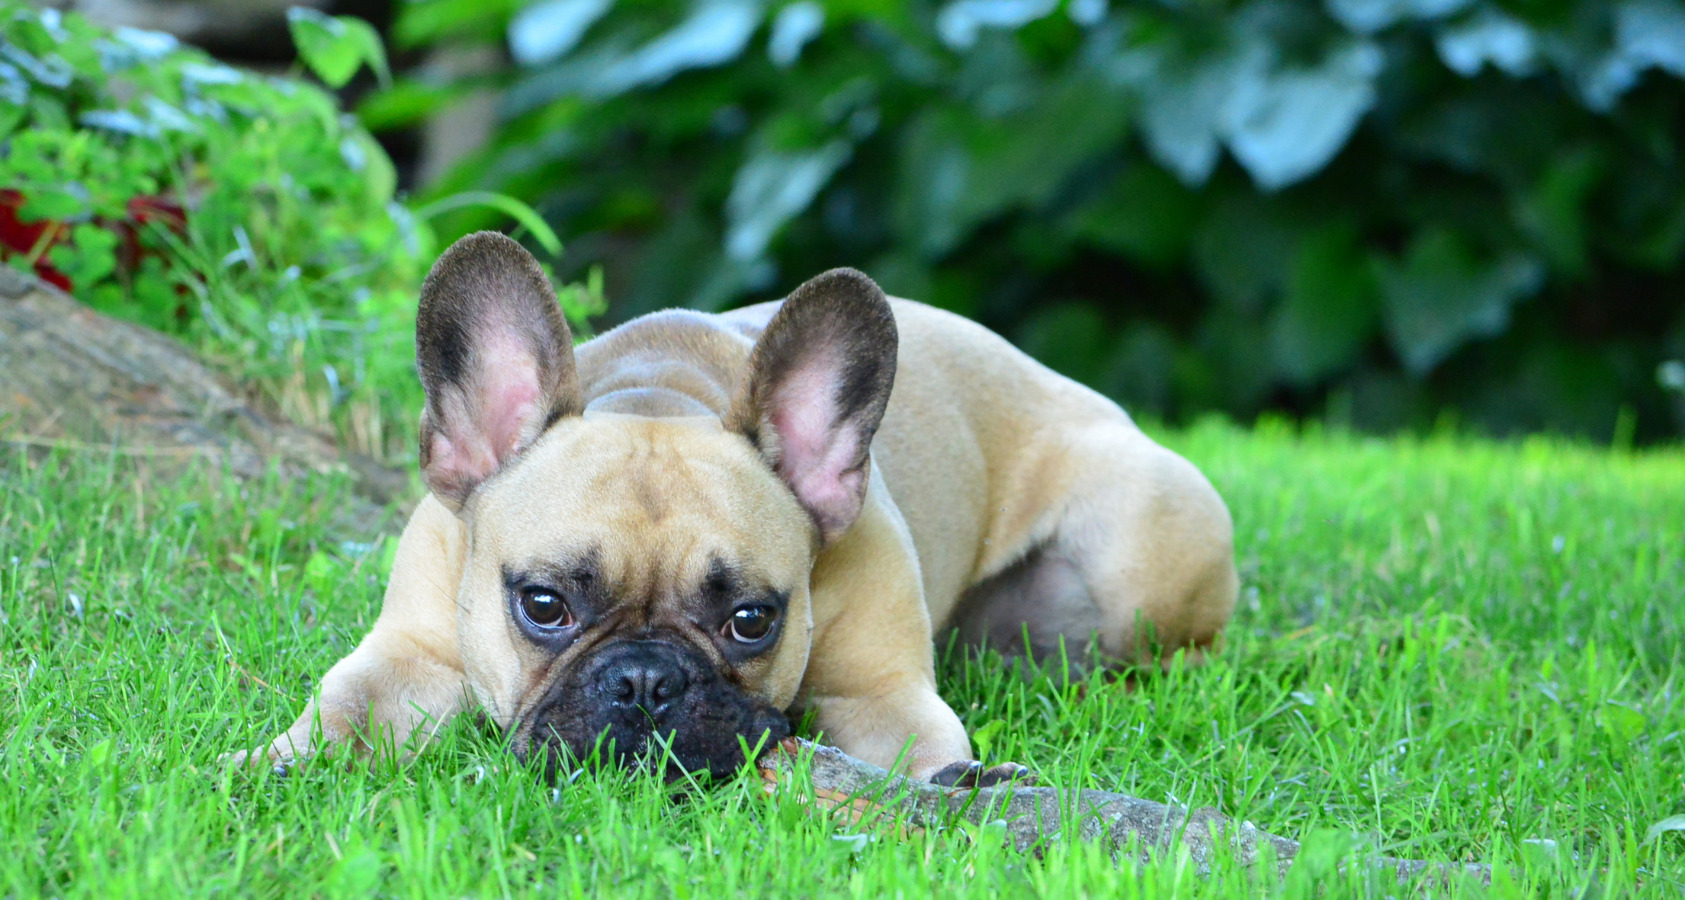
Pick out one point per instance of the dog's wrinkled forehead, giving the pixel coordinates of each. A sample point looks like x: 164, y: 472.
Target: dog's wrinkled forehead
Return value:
x: 641, y: 495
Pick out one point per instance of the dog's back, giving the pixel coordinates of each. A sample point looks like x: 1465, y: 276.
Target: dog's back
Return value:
x: 1037, y: 508
x: 1035, y: 500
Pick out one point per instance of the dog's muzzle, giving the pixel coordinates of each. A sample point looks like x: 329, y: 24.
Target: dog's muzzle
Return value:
x: 652, y: 704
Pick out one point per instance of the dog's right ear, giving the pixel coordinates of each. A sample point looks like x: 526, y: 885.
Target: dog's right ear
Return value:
x: 817, y: 387
x: 496, y: 360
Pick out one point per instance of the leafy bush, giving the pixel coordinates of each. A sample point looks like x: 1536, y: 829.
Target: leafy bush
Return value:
x: 279, y: 247
x: 1369, y: 209
x: 245, y: 213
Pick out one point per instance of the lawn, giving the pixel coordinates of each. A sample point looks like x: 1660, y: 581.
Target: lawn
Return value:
x: 1445, y: 648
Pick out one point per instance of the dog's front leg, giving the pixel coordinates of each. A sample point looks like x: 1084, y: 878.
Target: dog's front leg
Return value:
x: 871, y: 676
x: 878, y: 728
x: 880, y: 705
x: 405, y: 680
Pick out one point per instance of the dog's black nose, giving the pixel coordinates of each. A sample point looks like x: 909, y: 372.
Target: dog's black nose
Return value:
x: 642, y: 675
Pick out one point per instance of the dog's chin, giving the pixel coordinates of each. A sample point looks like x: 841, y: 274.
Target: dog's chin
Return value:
x: 710, y: 744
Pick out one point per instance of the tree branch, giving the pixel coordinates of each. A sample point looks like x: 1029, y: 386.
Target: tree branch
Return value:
x: 1034, y: 816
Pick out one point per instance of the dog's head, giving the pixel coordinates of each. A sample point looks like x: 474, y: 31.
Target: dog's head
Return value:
x: 636, y: 580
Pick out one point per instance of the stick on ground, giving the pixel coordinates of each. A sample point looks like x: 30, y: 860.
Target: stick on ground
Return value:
x: 1033, y: 816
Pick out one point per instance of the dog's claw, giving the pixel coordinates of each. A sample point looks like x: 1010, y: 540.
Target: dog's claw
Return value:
x: 1011, y: 772
x: 256, y: 759
x: 972, y: 774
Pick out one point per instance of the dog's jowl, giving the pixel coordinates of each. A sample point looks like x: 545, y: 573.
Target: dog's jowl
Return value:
x: 663, y: 543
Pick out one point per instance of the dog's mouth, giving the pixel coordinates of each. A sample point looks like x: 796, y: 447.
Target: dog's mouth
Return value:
x: 651, y: 706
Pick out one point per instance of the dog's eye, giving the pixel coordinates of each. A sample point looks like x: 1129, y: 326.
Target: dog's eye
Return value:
x: 751, y: 623
x: 545, y: 608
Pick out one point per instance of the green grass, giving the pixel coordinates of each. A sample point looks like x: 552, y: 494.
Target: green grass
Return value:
x: 1445, y: 648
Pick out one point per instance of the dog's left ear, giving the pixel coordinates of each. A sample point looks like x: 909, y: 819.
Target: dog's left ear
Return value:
x: 816, y: 390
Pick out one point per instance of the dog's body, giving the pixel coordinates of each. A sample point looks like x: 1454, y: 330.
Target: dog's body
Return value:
x: 998, y: 500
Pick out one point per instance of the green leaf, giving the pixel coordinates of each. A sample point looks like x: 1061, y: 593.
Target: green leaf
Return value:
x: 583, y: 302
x: 1652, y: 33
x: 545, y: 31
x: 1242, y: 249
x: 52, y: 206
x: 1443, y: 295
x: 713, y: 34
x: 1142, y: 369
x: 959, y: 169
x: 1322, y: 853
x: 321, y: 571
x: 1370, y: 16
x: 793, y: 27
x: 959, y: 21
x: 10, y: 118
x: 335, y: 47
x: 1554, y: 210
x: 1488, y: 36
x: 1145, y: 214
x: 1282, y: 116
x: 1016, y: 164
x: 89, y: 257
x: 1623, y: 723
x: 435, y: 21
x: 97, y: 755
x: 362, y: 153
x: 1285, y: 125
x: 523, y: 214
x: 407, y: 102
x: 984, y: 738
x: 1184, y: 77
x: 1329, y: 309
x: 933, y: 205
x: 1069, y: 338
x: 773, y: 187
x: 1671, y: 823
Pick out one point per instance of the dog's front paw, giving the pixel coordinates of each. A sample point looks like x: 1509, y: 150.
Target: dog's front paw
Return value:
x: 257, y: 759
x: 972, y: 774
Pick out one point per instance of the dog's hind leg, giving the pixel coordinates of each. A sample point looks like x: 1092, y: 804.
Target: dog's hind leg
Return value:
x: 1038, y: 610
x: 1138, y: 566
x: 1155, y: 546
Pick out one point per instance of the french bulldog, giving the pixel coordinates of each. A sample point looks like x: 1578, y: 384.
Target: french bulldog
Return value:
x: 681, y: 533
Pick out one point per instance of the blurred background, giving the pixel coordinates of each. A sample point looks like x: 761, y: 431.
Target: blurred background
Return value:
x: 1386, y: 214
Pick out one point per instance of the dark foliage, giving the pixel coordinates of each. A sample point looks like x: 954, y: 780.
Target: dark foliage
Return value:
x: 1375, y: 210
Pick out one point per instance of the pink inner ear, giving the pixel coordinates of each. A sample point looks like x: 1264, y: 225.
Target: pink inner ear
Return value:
x: 816, y: 452
x: 477, y: 435
x: 509, y: 392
